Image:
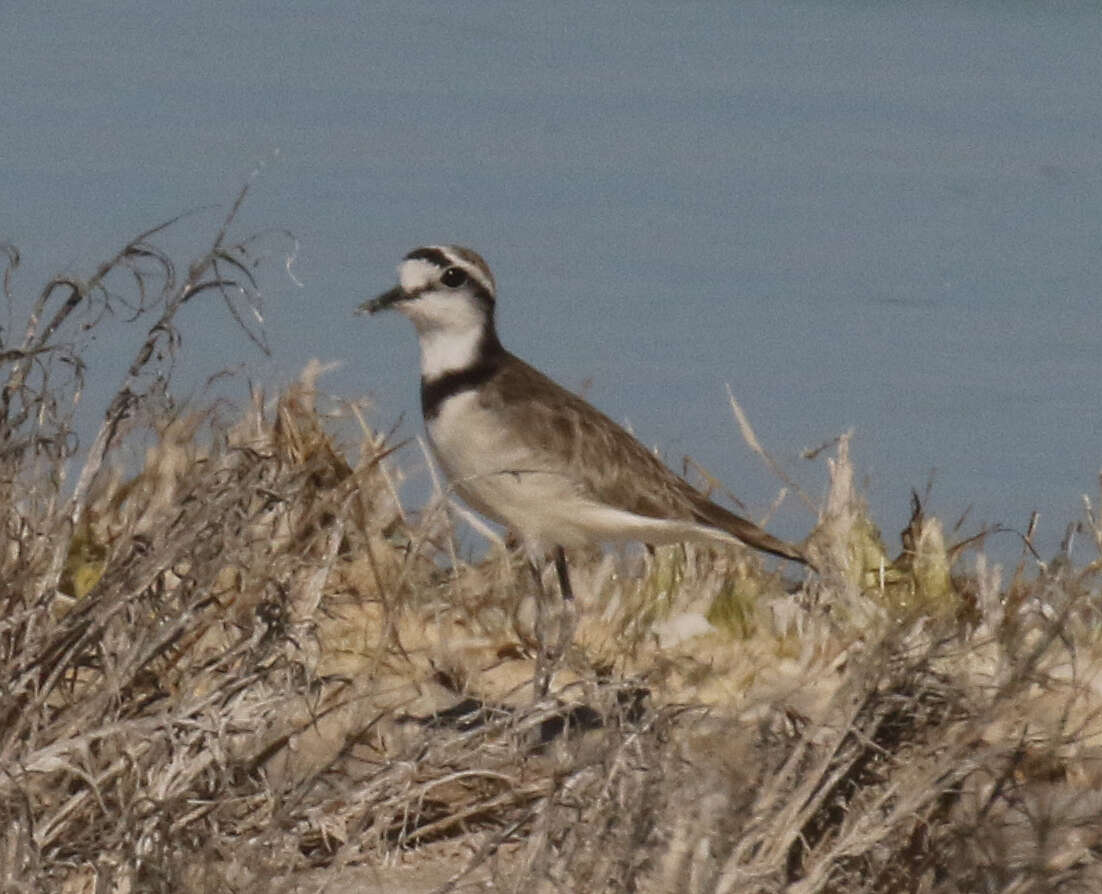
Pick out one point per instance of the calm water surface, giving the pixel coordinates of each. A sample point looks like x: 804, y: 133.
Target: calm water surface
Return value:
x: 883, y: 217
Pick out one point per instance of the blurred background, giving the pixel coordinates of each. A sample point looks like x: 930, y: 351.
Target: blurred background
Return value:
x: 876, y: 216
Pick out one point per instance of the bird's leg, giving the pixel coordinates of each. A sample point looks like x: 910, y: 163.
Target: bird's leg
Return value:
x: 564, y: 578
x: 548, y: 656
x: 568, y: 621
x: 544, y: 669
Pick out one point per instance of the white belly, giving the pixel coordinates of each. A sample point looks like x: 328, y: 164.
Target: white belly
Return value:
x: 533, y: 491
x: 497, y: 474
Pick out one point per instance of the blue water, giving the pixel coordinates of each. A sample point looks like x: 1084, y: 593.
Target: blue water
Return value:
x: 885, y: 217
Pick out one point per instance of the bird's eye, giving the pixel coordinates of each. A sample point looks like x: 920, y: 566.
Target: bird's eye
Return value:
x: 454, y: 277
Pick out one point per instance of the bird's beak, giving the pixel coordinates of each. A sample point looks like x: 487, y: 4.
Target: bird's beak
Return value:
x: 384, y: 301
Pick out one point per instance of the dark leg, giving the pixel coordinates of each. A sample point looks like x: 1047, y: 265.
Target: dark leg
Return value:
x: 564, y: 578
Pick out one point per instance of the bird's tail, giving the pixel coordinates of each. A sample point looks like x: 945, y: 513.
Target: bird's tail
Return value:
x: 709, y: 513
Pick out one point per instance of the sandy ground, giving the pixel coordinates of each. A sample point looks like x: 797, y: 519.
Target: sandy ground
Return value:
x: 377, y: 881
x: 422, y: 873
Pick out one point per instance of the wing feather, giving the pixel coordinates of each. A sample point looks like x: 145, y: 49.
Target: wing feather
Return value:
x: 612, y: 466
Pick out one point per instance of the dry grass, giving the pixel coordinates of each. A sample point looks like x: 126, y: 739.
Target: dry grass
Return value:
x: 241, y: 665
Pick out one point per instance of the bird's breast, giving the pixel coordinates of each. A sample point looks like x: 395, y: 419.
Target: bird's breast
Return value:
x: 499, y: 470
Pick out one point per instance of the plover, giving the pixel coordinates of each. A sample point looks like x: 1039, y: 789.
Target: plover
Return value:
x: 528, y: 453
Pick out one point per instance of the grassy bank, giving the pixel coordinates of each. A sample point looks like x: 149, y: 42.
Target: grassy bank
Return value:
x: 231, y: 660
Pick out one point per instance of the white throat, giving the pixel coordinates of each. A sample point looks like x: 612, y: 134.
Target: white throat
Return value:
x: 447, y: 350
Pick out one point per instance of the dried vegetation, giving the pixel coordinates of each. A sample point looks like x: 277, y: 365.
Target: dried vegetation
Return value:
x: 238, y: 664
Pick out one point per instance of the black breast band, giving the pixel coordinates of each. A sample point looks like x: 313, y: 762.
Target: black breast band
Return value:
x: 434, y: 392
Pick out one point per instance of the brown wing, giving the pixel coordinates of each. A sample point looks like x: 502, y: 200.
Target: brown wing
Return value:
x: 745, y: 530
x: 613, y: 467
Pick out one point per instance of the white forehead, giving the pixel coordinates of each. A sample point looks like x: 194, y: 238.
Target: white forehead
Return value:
x: 415, y: 274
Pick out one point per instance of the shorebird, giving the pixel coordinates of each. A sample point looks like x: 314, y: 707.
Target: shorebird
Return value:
x: 526, y: 452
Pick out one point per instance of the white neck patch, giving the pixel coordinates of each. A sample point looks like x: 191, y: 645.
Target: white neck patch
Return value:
x: 448, y: 350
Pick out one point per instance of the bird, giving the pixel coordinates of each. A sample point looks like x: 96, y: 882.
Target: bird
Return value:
x: 526, y: 452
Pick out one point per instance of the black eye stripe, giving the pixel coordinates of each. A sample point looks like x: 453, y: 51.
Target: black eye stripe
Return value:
x: 478, y: 291
x: 476, y: 278
x: 432, y: 255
